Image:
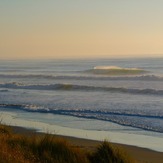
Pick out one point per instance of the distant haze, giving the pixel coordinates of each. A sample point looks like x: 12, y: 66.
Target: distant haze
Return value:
x: 80, y: 29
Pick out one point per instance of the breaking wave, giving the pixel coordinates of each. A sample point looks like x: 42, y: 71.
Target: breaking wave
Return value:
x: 142, y: 121
x: 72, y: 87
x: 114, y: 70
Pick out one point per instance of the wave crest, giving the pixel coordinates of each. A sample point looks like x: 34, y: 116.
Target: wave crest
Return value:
x: 114, y: 70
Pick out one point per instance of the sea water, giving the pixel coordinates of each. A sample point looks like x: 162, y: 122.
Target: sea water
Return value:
x: 116, y: 99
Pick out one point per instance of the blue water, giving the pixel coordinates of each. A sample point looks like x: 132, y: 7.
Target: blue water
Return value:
x: 130, y: 94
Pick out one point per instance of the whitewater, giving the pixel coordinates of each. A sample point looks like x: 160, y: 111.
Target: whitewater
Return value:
x: 115, y: 99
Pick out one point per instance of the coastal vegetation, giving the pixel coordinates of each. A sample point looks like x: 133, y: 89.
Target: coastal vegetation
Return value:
x: 46, y: 148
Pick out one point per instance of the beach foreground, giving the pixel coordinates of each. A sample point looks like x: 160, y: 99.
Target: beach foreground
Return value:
x: 140, y: 155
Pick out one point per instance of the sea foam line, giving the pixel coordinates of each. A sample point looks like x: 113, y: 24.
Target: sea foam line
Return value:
x: 141, y: 121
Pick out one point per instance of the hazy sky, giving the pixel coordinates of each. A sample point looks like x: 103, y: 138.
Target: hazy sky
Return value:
x: 80, y: 28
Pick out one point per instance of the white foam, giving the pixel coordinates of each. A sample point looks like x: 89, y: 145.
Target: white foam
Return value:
x: 107, y: 67
x: 113, y: 68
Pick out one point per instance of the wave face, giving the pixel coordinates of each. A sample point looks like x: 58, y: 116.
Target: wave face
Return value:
x: 142, y: 121
x: 71, y: 87
x: 114, y: 70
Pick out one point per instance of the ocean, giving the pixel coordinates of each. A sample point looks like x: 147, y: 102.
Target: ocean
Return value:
x: 116, y: 99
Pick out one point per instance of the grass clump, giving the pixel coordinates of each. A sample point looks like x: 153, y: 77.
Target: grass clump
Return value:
x: 106, y: 153
x: 19, y: 148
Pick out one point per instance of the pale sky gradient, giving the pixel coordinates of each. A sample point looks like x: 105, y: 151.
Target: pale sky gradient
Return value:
x: 80, y: 28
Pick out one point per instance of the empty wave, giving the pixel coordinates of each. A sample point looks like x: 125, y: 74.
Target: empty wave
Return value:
x: 141, y: 121
x: 71, y: 87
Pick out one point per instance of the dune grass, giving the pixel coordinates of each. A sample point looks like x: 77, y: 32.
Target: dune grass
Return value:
x: 106, y: 153
x: 19, y: 148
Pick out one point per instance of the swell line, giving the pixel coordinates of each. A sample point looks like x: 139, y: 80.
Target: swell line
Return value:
x: 84, y: 77
x: 71, y: 87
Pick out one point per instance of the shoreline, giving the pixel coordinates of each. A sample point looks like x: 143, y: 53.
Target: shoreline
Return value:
x: 130, y: 138
x: 141, y: 155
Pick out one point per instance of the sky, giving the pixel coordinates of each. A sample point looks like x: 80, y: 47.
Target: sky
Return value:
x: 44, y: 29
